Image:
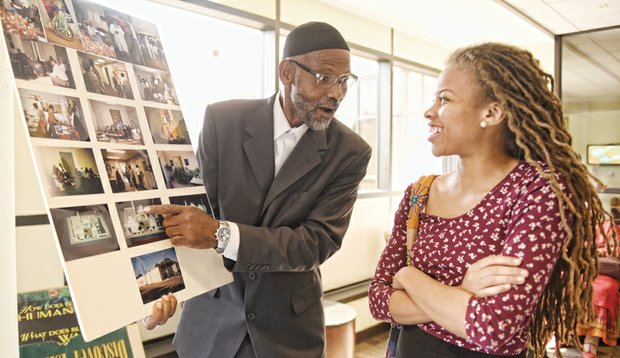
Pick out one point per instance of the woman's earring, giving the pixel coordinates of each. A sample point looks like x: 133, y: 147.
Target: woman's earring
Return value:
x: 483, y: 124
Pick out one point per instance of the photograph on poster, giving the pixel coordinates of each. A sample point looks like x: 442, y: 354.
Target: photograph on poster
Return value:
x: 84, y: 231
x: 167, y: 126
x: 53, y: 116
x: 68, y: 171
x: 60, y: 23
x: 104, y: 76
x: 116, y: 123
x: 155, y: 85
x: 150, y: 45
x: 124, y: 36
x: 94, y: 32
x: 199, y: 201
x: 22, y: 18
x: 139, y: 227
x: 39, y: 62
x: 157, y: 273
x: 180, y: 169
x: 128, y: 170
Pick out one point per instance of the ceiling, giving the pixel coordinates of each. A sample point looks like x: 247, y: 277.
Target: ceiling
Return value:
x: 591, y: 62
x: 568, y: 16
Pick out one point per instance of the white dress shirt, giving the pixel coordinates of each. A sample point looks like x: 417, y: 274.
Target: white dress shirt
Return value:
x: 285, y: 139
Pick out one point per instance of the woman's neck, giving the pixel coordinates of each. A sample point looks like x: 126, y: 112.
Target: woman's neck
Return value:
x: 482, y: 172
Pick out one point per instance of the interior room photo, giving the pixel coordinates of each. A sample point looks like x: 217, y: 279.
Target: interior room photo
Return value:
x: 102, y: 107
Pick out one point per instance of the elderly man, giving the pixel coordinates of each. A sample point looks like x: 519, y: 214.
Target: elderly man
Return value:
x: 283, y: 175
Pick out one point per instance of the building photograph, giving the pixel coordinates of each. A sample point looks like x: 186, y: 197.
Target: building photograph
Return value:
x: 84, y: 231
x: 139, y: 227
x: 157, y: 273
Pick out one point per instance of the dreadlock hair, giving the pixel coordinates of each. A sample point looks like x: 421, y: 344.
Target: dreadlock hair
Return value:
x: 535, y: 130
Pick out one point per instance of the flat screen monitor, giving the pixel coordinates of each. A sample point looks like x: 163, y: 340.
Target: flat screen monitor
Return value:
x: 604, y: 154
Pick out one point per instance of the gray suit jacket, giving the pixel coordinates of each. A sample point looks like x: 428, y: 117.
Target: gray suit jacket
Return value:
x: 288, y: 226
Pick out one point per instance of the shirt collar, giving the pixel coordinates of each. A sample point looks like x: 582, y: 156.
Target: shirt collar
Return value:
x: 280, y: 123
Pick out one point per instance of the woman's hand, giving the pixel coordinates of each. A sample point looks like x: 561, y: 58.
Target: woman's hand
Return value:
x: 399, y: 278
x: 493, y: 275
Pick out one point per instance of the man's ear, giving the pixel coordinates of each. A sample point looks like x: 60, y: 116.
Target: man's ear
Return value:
x: 493, y: 113
x: 286, y: 73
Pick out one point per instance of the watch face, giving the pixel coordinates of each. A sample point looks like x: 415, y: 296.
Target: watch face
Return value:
x: 222, y: 235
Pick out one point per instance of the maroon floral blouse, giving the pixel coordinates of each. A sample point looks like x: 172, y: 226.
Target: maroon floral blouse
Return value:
x: 519, y: 217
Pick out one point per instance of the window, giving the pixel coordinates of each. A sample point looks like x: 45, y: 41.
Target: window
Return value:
x: 359, y: 111
x: 413, y: 93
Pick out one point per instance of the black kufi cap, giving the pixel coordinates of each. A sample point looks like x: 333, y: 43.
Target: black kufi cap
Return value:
x: 313, y: 36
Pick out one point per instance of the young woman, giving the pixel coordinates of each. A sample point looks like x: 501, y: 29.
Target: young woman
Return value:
x: 505, y: 252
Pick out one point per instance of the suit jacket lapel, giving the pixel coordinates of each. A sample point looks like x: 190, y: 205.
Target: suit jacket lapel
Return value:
x: 305, y: 156
x: 260, y: 129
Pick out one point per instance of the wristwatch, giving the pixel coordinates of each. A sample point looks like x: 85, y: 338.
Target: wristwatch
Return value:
x: 222, y: 235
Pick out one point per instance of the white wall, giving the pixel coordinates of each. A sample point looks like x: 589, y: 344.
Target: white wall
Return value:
x: 596, y: 123
x: 355, y: 29
x: 362, y: 244
x: 265, y: 8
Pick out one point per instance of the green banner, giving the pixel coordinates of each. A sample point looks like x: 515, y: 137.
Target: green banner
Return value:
x: 48, y: 328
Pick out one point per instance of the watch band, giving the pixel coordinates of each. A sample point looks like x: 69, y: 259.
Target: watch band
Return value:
x: 222, y: 235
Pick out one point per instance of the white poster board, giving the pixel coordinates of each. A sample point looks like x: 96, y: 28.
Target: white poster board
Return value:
x: 108, y: 138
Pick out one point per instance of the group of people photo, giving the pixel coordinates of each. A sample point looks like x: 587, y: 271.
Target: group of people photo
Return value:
x: 129, y: 170
x: 104, y: 76
x: 21, y: 17
x: 156, y: 86
x: 39, y: 61
x: 180, y: 169
x: 53, y: 116
x: 60, y: 23
x: 68, y: 171
x: 167, y: 126
x: 116, y: 123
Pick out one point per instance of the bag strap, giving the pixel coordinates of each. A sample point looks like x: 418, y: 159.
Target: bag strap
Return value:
x: 419, y: 194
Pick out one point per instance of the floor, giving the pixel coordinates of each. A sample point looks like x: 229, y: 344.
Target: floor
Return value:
x: 603, y: 352
x: 374, y: 347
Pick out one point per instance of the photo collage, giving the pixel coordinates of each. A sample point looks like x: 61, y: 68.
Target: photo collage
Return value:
x: 106, y: 130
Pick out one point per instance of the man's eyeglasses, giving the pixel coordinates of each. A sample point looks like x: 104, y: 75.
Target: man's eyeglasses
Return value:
x: 327, y: 81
